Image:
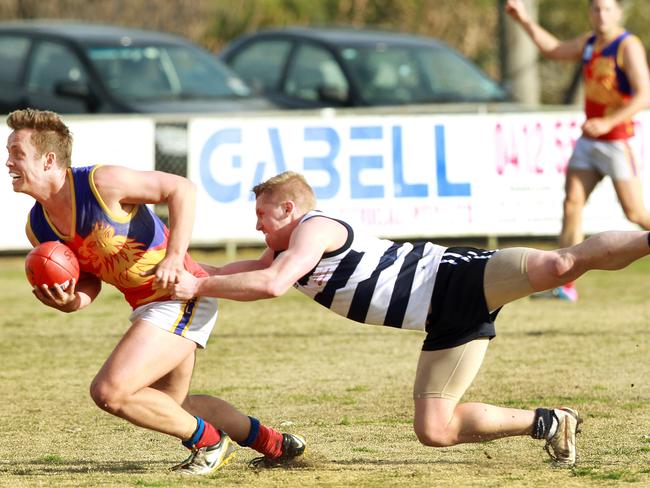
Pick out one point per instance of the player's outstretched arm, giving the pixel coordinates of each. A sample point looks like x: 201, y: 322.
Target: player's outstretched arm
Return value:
x: 187, y: 285
x: 239, y: 266
x: 307, y: 244
x: 269, y: 282
x: 549, y: 45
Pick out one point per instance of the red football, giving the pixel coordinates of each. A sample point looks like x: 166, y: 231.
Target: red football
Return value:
x: 50, y: 263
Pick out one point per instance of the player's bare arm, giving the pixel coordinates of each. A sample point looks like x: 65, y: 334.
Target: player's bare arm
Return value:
x: 309, y: 241
x: 307, y: 244
x: 187, y: 285
x: 210, y: 269
x: 232, y: 268
x: 264, y: 261
x: 549, y: 45
x: 121, y: 188
x: 302, y: 255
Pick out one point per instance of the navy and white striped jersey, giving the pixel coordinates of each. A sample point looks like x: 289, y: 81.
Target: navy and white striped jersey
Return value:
x: 373, y: 280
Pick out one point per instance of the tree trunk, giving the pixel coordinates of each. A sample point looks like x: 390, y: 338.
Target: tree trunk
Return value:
x: 519, y: 57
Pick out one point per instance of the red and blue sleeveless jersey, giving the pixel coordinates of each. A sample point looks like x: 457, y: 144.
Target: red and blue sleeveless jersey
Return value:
x: 116, y: 249
x: 607, y: 87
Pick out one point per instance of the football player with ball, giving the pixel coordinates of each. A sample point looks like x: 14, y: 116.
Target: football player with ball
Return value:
x: 100, y: 214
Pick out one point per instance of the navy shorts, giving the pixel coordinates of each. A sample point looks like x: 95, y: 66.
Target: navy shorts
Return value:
x: 458, y: 312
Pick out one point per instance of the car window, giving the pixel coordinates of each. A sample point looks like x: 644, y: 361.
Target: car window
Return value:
x: 389, y: 75
x: 453, y: 77
x: 260, y: 64
x: 314, y: 75
x: 386, y: 75
x: 200, y: 73
x: 154, y: 72
x: 13, y: 51
x: 51, y: 63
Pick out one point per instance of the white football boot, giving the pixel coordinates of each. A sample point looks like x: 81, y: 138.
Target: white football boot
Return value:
x: 561, y: 447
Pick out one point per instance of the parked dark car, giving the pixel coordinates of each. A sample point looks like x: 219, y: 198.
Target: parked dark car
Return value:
x: 73, y: 67
x: 320, y: 67
x: 81, y: 68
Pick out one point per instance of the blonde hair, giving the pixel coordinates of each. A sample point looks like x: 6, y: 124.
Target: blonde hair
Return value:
x: 50, y: 133
x: 288, y: 186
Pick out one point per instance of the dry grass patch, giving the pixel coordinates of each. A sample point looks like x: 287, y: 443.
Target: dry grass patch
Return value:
x: 345, y: 387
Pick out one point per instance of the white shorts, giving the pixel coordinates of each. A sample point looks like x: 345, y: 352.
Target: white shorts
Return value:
x: 609, y: 158
x: 193, y: 319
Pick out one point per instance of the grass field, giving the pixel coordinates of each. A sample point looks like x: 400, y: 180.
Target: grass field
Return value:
x: 345, y: 387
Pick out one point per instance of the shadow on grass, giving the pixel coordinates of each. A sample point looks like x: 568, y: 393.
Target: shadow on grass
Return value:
x: 313, y: 461
x: 404, y: 462
x: 614, y: 332
x: 309, y: 334
x: 41, y: 467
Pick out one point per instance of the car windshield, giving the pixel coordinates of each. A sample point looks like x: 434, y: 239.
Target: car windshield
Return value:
x: 388, y: 75
x: 139, y: 73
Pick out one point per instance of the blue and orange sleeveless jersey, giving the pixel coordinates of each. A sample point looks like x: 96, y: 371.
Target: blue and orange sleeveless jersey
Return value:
x: 607, y: 87
x: 115, y: 249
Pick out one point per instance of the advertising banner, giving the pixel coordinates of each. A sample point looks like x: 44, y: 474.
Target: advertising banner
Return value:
x: 402, y: 176
x: 406, y: 176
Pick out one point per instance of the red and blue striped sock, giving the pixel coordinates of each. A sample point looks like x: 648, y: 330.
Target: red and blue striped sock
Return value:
x: 204, y: 435
x: 263, y: 439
